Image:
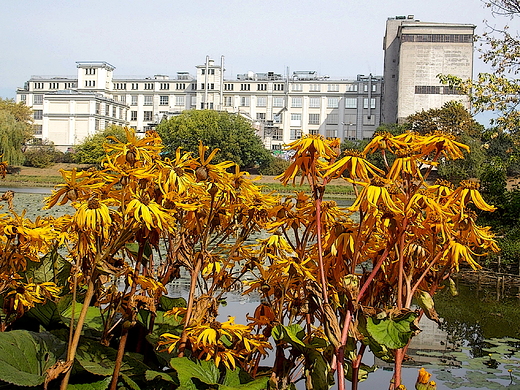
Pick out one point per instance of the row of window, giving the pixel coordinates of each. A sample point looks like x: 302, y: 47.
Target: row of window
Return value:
x: 297, y: 102
x: 435, y: 90
x: 442, y: 38
x: 56, y: 85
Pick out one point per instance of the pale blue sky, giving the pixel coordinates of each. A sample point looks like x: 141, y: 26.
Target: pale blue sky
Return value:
x: 336, y: 38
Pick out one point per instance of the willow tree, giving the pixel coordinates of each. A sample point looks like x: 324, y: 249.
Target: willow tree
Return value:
x: 15, y: 129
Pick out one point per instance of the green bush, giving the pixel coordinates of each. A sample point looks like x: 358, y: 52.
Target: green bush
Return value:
x: 275, y: 167
x: 40, y: 155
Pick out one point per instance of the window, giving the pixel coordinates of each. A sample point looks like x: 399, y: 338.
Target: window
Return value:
x: 193, y: 101
x: 90, y: 83
x: 134, y: 100
x: 277, y: 118
x: 296, y: 87
x: 374, y: 88
x: 38, y: 129
x: 350, y: 102
x: 332, y: 119
x: 119, y: 85
x: 70, y: 85
x: 296, y: 119
x: 245, y: 87
x: 314, y: 87
x: 228, y: 101
x: 244, y: 101
x: 122, y: 99
x: 228, y: 87
x: 278, y: 87
x: 211, y: 86
x: 148, y: 86
x: 332, y: 102
x: 135, y: 86
x: 38, y: 114
x: 133, y: 115
x: 260, y: 116
x: 148, y: 100
x: 314, y: 119
x: 164, y: 100
x: 296, y: 133
x: 107, y: 109
x: 165, y: 86
x: 23, y: 98
x: 365, y: 87
x: 333, y: 88
x: 193, y: 86
x: 90, y: 71
x: 261, y: 102
x: 38, y: 99
x: 314, y: 131
x: 98, y: 108
x: 332, y: 133
x: 278, y: 102
x: 352, y: 88
x: 180, y: 86
x: 114, y: 111
x: 277, y: 134
x: 179, y: 100
x: 314, y: 102
x: 147, y: 115
x: 261, y: 87
x: 202, y: 86
x: 54, y: 85
x: 296, y: 102
x: 372, y: 103
x: 38, y: 85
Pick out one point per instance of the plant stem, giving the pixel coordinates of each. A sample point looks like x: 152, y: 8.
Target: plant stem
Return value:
x: 71, y: 352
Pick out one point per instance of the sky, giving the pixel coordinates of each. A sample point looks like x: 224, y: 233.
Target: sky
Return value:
x: 146, y: 37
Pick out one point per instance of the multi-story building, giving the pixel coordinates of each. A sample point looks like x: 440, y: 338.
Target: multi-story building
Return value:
x: 281, y: 107
x: 415, y: 53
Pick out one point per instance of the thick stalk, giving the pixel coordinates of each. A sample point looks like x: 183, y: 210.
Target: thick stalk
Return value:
x: 119, y: 358
x: 71, y: 353
x: 189, y: 309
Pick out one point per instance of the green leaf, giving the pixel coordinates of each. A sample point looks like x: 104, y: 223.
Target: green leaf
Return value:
x: 129, y: 382
x: 46, y: 314
x: 99, y: 360
x: 99, y: 385
x: 93, y: 319
x: 168, y: 303
x: 291, y: 334
x: 392, y: 333
x: 202, y: 370
x: 25, y: 356
x: 257, y: 384
x: 52, y: 268
x: 318, y: 370
x: 151, y: 375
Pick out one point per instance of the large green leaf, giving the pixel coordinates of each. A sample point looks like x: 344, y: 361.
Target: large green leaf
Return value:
x: 99, y: 385
x: 168, y: 303
x: 100, y: 360
x: 52, y: 268
x: 202, y: 370
x: 292, y: 334
x: 318, y: 370
x: 257, y: 384
x: 46, y: 314
x: 393, y: 333
x: 93, y: 319
x: 25, y: 356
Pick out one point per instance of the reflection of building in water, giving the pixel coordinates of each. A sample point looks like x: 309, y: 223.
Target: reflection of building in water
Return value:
x: 427, y: 347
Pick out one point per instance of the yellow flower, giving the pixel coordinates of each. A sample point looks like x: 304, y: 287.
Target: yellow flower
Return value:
x: 356, y: 164
x: 373, y: 195
x: 466, y: 192
x: 93, y: 215
x: 147, y: 211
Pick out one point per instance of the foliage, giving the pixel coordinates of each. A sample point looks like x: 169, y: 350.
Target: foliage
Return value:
x: 452, y: 118
x: 275, y: 167
x: 232, y: 134
x: 470, y: 167
x: 15, y: 129
x: 332, y: 281
x: 497, y: 91
x: 40, y: 154
x: 91, y: 150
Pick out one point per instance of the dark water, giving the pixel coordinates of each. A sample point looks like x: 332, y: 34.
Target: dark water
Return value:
x: 475, y: 347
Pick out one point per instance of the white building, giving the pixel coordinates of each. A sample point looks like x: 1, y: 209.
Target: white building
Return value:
x: 282, y: 107
x: 415, y: 53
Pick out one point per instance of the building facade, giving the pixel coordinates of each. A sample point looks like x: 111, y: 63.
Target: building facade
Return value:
x: 415, y: 53
x: 281, y: 107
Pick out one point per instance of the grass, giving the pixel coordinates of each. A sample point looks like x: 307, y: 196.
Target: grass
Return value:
x: 34, y: 180
x: 331, y: 189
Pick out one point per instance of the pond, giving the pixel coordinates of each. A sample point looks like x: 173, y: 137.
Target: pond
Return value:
x: 476, y: 346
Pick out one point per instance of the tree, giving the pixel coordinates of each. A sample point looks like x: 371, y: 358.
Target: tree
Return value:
x: 91, y: 151
x: 498, y: 91
x: 40, y: 154
x: 15, y: 129
x: 231, y: 133
x: 452, y: 118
